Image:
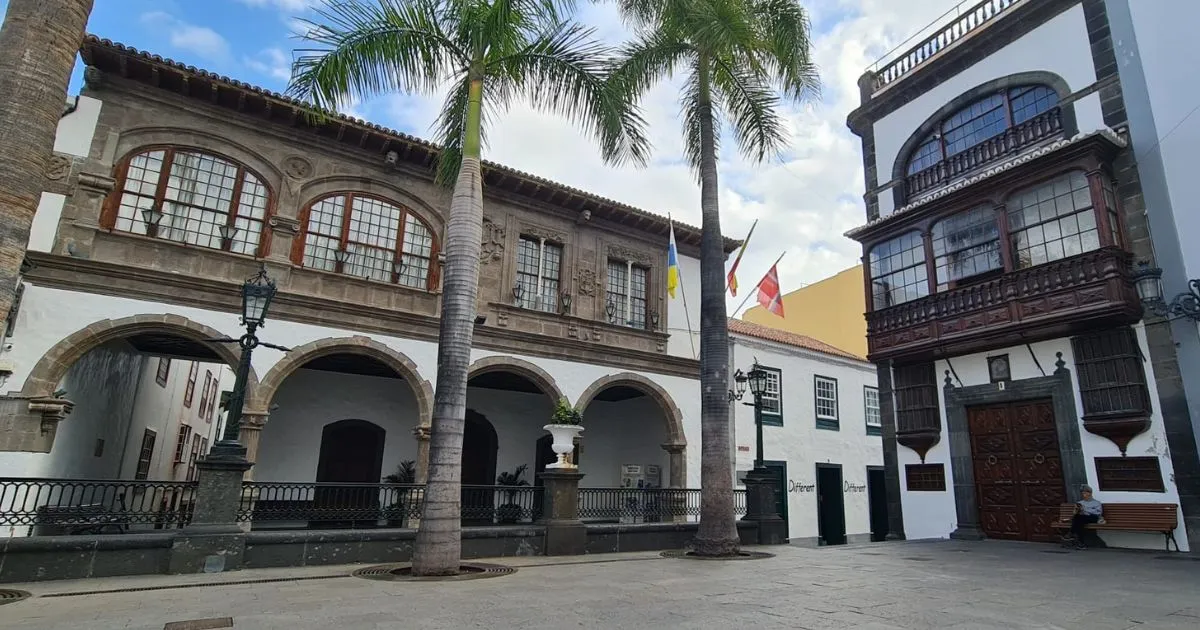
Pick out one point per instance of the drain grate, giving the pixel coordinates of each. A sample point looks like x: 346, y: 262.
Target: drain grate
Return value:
x: 10, y: 595
x: 742, y: 555
x: 403, y: 573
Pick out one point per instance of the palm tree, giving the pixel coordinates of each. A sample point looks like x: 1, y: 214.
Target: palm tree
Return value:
x: 38, y: 43
x: 740, y: 59
x: 489, y: 52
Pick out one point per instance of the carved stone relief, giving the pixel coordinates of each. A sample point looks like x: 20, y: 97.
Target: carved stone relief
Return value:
x: 284, y: 225
x: 297, y: 167
x: 633, y: 255
x: 534, y: 231
x: 585, y: 281
x: 57, y: 167
x: 492, y: 248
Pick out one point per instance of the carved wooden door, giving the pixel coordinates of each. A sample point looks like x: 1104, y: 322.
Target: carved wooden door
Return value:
x: 1018, y: 469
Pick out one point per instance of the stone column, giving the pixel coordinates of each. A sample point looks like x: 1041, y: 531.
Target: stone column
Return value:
x: 891, y: 461
x: 213, y: 542
x: 677, y: 478
x: 421, y: 432
x: 566, y: 535
x: 251, y: 431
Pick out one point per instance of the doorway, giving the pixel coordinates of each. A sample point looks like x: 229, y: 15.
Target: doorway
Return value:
x: 877, y: 503
x: 480, y: 446
x: 1018, y: 469
x: 831, y: 512
x: 544, y: 456
x: 351, y: 453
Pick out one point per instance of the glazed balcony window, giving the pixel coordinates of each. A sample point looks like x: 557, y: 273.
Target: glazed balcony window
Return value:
x: 966, y: 246
x: 1053, y: 221
x: 190, y: 197
x: 898, y: 271
x: 367, y: 237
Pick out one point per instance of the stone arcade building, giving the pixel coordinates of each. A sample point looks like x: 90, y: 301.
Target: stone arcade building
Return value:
x: 1004, y: 215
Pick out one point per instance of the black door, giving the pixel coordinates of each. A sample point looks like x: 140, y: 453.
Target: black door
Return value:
x: 877, y: 503
x: 779, y: 475
x: 478, y: 469
x: 831, y: 513
x: 351, y: 453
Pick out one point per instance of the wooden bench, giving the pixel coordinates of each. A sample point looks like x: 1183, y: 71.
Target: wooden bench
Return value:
x: 1158, y: 518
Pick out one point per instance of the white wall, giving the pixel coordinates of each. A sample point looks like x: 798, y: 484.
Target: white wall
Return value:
x: 678, y: 322
x: 73, y: 138
x: 800, y: 443
x: 624, y: 432
x: 932, y: 514
x: 1060, y: 46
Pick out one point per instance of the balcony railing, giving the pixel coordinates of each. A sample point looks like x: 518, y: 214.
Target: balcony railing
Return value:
x: 94, y: 506
x: 966, y: 22
x: 646, y: 505
x: 1046, y: 125
x: 1096, y: 283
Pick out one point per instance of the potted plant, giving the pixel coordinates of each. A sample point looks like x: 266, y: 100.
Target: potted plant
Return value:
x: 565, y: 424
x: 406, y: 475
x: 510, y: 512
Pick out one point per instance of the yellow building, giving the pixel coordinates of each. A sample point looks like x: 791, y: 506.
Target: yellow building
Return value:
x: 831, y: 311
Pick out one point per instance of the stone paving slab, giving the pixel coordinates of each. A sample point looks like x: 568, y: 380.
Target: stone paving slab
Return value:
x: 884, y: 586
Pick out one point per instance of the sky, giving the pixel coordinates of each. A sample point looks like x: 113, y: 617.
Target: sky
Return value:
x: 804, y: 200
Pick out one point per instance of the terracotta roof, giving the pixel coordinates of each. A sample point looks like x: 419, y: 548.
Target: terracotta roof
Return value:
x: 742, y: 327
x: 126, y: 61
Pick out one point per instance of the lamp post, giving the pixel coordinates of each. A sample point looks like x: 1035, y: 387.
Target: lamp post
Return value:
x: 257, y: 293
x: 1148, y: 281
x: 760, y: 484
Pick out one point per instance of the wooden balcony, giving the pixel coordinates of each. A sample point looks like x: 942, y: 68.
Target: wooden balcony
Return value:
x: 1050, y: 300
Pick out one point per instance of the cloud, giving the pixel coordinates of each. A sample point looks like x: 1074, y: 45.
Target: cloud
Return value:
x: 287, y: 6
x: 200, y: 40
x: 272, y: 62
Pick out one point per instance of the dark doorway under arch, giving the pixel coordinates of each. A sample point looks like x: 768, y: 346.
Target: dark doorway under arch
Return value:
x: 351, y: 453
x: 480, y: 445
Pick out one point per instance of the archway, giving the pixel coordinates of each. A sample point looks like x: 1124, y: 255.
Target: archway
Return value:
x: 351, y: 452
x: 480, y: 447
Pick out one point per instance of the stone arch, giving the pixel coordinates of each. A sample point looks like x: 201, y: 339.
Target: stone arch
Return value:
x: 535, y: 374
x: 43, y: 380
x: 1070, y: 126
x: 317, y: 188
x: 297, y: 357
x: 674, y: 417
x: 137, y: 139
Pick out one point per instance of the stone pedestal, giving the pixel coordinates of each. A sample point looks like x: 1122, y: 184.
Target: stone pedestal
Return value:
x: 213, y: 541
x: 760, y: 508
x: 566, y: 535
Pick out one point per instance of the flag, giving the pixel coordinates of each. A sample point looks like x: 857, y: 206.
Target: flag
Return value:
x: 769, y: 295
x: 672, y: 265
x: 731, y: 278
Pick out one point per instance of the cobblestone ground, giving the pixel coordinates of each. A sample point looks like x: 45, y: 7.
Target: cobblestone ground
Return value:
x: 886, y: 585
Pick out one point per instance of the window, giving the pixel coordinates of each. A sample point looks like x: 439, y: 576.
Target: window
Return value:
x: 538, y: 264
x: 966, y: 245
x: 925, y: 477
x: 772, y: 397
x: 1052, y: 221
x: 190, y: 392
x: 917, y: 406
x: 1112, y: 382
x: 369, y: 238
x: 871, y: 410
x: 191, y: 197
x: 185, y: 431
x: 980, y: 121
x: 191, y: 472
x: 206, y: 394
x: 827, y: 402
x: 898, y: 271
x: 626, y: 303
x: 145, y: 455
x: 164, y: 370
x: 1114, y: 218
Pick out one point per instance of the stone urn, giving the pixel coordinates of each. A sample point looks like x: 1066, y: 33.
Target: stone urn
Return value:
x: 563, y: 444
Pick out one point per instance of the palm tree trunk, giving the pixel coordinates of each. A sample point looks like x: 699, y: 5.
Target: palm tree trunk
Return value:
x: 717, y: 535
x: 439, y: 539
x: 38, y: 43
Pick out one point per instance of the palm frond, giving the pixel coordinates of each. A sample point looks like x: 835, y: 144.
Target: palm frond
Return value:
x: 646, y: 60
x: 363, y: 50
x: 751, y: 104
x: 786, y: 33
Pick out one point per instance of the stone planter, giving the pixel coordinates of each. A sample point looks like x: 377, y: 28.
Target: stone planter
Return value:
x: 563, y: 444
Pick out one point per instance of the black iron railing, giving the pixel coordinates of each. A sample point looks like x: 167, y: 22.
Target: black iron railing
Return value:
x: 94, y: 506
x: 331, y: 504
x: 503, y: 505
x: 652, y: 505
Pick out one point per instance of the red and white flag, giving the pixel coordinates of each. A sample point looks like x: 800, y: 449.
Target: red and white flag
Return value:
x: 769, y: 295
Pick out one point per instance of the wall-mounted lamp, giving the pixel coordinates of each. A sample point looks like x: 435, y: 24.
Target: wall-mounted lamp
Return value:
x: 151, y: 217
x: 1148, y: 281
x: 611, y: 309
x: 654, y: 319
x: 566, y: 302
x: 227, y: 233
x: 341, y: 256
x: 518, y: 292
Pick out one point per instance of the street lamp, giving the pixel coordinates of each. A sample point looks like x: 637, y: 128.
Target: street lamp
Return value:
x: 257, y: 293
x: 760, y: 483
x: 1148, y: 281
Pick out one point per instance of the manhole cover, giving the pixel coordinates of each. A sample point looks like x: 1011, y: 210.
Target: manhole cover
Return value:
x: 742, y: 555
x: 10, y: 595
x: 403, y: 572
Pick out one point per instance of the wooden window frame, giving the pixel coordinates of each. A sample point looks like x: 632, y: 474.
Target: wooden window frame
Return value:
x: 829, y: 423
x: 190, y: 392
x: 1129, y: 371
x: 185, y: 431
x: 773, y: 418
x: 145, y: 455
x: 406, y: 213
x: 164, y: 371
x: 206, y: 394
x: 877, y: 428
x: 112, y: 205
x: 648, y: 317
x: 533, y: 303
x: 924, y: 261
x: 927, y: 477
x: 1129, y: 474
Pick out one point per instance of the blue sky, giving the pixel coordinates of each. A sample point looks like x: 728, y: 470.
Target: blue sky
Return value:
x: 804, y: 201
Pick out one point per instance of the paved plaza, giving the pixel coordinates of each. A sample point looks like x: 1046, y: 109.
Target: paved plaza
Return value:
x: 942, y: 584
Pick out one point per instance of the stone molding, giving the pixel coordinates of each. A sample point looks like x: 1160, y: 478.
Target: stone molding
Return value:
x: 499, y: 363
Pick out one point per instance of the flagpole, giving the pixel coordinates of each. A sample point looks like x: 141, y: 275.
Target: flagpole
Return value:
x: 749, y: 293
x: 683, y: 293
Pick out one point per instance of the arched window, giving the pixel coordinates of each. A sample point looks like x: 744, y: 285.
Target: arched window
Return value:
x: 980, y: 121
x: 369, y: 237
x: 1053, y: 220
x: 192, y: 197
x: 898, y: 271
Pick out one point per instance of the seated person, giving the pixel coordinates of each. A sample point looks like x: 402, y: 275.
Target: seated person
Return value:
x: 1090, y: 511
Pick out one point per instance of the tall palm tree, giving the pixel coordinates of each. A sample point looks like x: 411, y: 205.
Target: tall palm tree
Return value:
x: 38, y: 43
x: 740, y: 59
x: 490, y: 52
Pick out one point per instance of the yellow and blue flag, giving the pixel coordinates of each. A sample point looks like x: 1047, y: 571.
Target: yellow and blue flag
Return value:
x: 672, y: 265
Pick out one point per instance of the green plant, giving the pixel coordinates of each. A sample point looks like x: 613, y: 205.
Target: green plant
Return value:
x: 564, y: 413
x: 405, y: 473
x: 511, y: 512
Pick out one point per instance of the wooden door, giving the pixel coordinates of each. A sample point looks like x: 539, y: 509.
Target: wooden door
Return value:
x: 1018, y: 469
